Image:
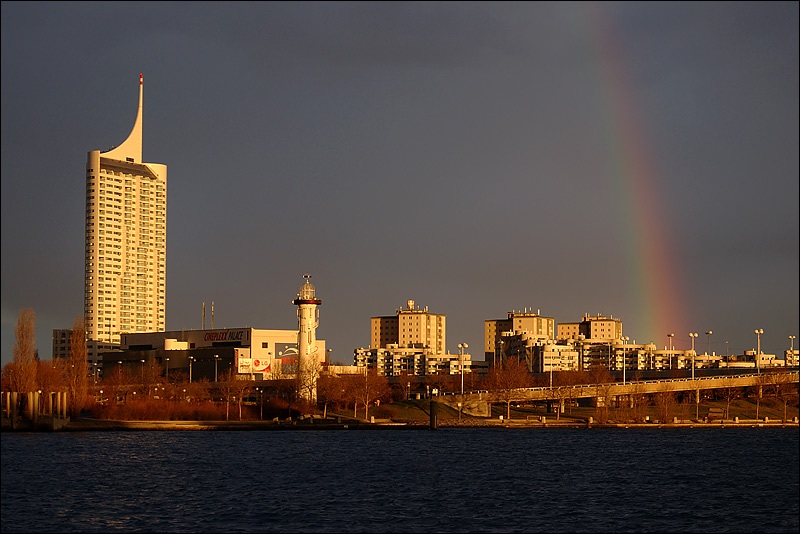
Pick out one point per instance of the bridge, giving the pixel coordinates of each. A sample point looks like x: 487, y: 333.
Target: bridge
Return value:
x: 476, y: 402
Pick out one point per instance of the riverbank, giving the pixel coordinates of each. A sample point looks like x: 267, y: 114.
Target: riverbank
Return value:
x: 415, y: 414
x: 94, y: 425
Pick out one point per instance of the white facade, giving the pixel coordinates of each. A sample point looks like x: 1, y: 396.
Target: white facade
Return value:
x: 126, y: 240
x: 309, y: 358
x: 263, y: 345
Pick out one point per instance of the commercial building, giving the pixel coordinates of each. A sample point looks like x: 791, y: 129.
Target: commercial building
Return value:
x: 210, y: 354
x: 126, y: 242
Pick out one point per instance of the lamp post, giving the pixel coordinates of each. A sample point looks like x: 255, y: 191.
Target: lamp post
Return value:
x: 191, y: 358
x: 119, y: 368
x: 693, y: 336
x: 670, y: 336
x: 758, y: 332
x: 461, y: 347
x: 625, y: 339
x: 142, y: 371
x: 501, y: 353
x: 216, y: 361
x: 167, y: 370
x: 708, y: 336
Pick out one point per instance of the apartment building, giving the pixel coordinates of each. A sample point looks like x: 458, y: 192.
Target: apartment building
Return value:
x: 126, y: 242
x: 410, y: 327
x: 512, y: 335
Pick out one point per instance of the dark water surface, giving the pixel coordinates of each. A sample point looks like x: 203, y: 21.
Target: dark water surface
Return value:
x: 447, y: 480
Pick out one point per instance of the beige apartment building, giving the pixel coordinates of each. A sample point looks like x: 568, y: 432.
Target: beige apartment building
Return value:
x: 511, y: 335
x: 597, y: 328
x: 411, y: 327
x: 126, y: 242
x: 411, y: 342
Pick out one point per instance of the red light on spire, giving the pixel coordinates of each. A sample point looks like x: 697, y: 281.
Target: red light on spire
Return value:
x: 141, y: 79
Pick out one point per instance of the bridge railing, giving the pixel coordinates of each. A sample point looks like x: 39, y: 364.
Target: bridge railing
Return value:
x: 793, y: 374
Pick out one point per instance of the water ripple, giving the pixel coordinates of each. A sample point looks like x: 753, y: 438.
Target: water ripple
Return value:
x: 450, y: 480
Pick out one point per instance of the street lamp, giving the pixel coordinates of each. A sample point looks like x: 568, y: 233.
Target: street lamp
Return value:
x: 670, y: 336
x: 693, y: 336
x: 625, y: 339
x: 119, y: 369
x: 461, y: 347
x: 167, y: 370
x: 142, y: 371
x: 501, y: 352
x: 191, y: 359
x: 758, y: 332
x: 708, y: 336
x: 216, y: 361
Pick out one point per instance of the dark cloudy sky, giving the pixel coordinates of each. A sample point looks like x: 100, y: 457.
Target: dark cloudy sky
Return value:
x: 638, y: 160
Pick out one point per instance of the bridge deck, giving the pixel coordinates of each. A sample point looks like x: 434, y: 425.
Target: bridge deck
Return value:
x: 634, y: 387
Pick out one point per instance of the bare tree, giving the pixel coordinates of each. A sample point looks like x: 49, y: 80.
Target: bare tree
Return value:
x: 762, y: 382
x: 351, y: 392
x: 24, y: 351
x: 440, y: 382
x: 306, y: 382
x: 77, y: 369
x: 329, y: 391
x: 376, y: 387
x: 571, y: 379
x: 665, y: 405
x: 602, y: 401
x: 116, y: 383
x: 152, y: 373
x: 729, y: 392
x: 50, y: 377
x: 503, y: 379
x: 785, y: 390
x: 638, y: 401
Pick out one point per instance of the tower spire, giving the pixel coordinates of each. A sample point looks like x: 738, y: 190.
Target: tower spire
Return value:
x: 131, y: 148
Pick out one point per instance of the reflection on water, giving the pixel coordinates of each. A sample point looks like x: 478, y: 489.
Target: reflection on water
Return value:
x: 448, y: 480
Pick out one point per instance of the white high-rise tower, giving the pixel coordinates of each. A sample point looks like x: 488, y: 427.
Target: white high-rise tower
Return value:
x: 308, y: 360
x: 126, y: 241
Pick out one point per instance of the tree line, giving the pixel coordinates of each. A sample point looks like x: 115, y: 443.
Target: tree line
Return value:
x: 150, y: 393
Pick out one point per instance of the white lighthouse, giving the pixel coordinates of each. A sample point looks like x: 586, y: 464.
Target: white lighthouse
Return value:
x: 308, y: 361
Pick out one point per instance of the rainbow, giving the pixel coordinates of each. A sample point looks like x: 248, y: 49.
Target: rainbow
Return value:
x: 654, y: 267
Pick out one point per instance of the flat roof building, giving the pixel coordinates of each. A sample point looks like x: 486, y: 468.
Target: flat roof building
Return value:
x: 411, y: 327
x: 205, y: 353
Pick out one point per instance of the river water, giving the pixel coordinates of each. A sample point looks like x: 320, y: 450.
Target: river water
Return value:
x: 445, y: 480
